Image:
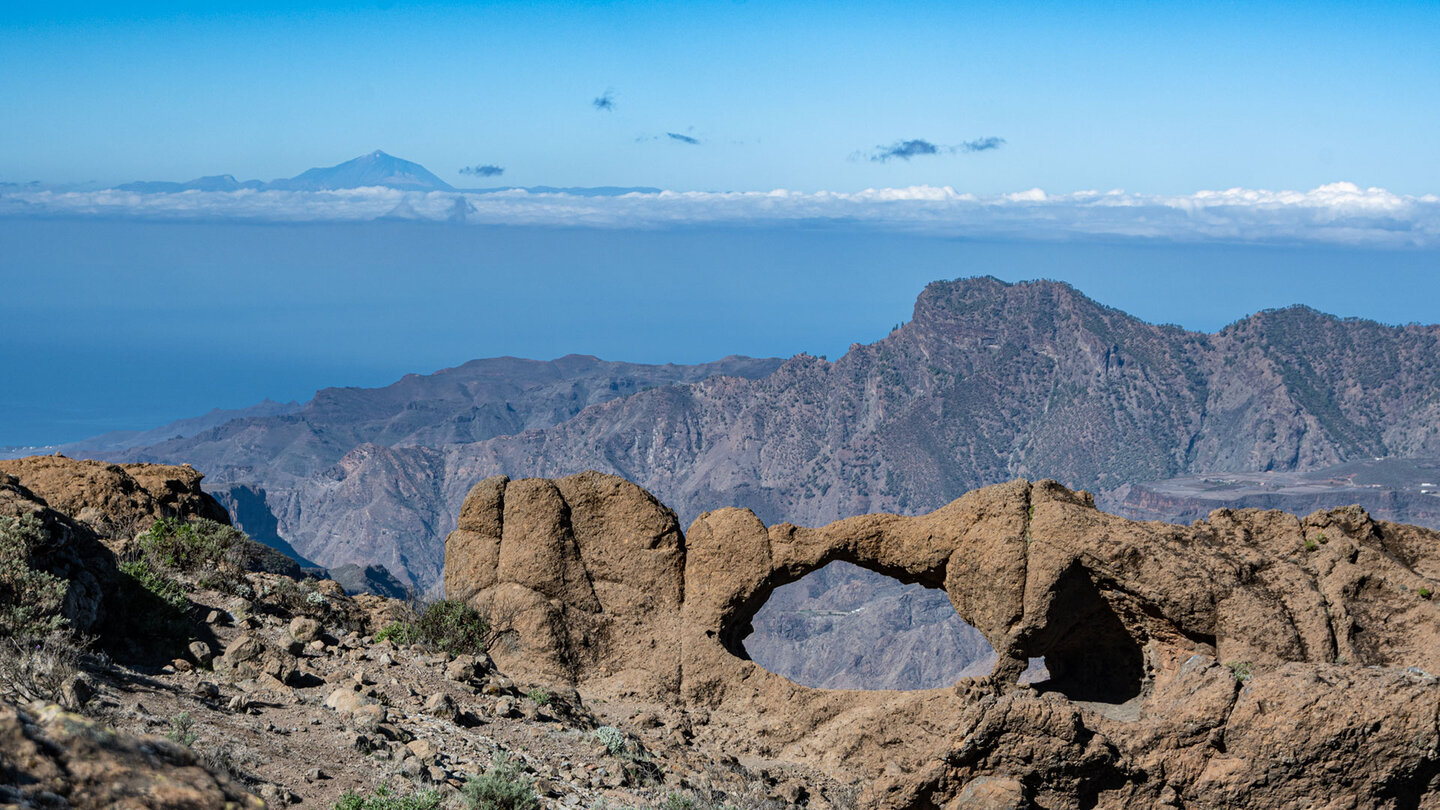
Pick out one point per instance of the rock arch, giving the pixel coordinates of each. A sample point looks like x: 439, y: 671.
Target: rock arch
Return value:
x: 596, y: 587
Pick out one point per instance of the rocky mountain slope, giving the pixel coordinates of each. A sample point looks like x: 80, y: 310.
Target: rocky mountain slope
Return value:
x: 265, y: 688
x: 357, y: 476
x: 988, y: 381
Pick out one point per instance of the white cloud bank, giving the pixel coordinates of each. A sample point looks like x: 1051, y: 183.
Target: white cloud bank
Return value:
x: 1338, y: 213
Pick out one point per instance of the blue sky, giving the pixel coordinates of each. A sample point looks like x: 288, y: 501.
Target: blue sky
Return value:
x: 1162, y: 98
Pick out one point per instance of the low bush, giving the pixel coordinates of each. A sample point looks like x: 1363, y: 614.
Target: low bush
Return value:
x: 502, y: 787
x: 385, y: 798
x: 180, y: 732
x: 199, y: 545
x: 38, y: 667
x: 453, y: 626
x: 30, y: 600
x: 448, y: 625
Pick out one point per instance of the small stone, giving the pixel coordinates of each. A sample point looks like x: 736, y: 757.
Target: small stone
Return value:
x: 244, y: 648
x: 239, y: 703
x: 215, y: 617
x: 368, y: 717
x: 441, y: 705
x: 77, y: 690
x: 424, y: 749
x: 201, y: 653
x: 316, y: 646
x: 505, y: 707
x: 410, y: 766
x: 178, y: 665
x: 436, y: 773
x: 205, y: 690
x: 305, y: 629
x: 461, y: 670
x: 315, y: 775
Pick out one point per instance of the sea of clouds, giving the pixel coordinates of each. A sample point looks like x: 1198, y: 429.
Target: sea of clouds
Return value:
x: 1338, y: 213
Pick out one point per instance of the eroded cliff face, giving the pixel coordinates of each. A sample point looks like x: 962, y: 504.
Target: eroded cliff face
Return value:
x: 1255, y: 658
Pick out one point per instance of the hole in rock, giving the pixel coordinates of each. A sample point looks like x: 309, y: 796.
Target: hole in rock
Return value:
x: 1089, y: 654
x: 847, y: 627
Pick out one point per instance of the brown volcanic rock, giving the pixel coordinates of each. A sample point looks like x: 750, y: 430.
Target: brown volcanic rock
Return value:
x: 115, y: 500
x: 73, y: 553
x: 1254, y: 659
x: 52, y: 758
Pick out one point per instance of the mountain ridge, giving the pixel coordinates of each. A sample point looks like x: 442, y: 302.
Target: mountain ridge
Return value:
x: 987, y: 382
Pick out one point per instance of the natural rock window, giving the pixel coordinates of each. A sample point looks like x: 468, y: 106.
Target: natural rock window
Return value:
x: 846, y: 627
x: 1088, y: 652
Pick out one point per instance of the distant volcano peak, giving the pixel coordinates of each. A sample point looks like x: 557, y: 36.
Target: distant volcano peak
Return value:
x: 374, y: 169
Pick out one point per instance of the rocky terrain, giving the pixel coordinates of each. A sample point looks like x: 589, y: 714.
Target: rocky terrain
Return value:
x: 1254, y: 659
x: 358, y: 476
x: 273, y: 689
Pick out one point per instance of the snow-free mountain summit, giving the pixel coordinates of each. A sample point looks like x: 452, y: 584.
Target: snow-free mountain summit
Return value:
x: 374, y: 169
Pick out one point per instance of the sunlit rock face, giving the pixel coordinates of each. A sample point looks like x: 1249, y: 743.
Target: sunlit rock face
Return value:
x: 1201, y: 664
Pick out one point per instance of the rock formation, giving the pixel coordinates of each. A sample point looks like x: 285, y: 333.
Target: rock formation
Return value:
x: 1254, y: 659
x: 115, y: 500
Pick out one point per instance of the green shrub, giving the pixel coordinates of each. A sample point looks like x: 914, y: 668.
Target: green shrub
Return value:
x: 157, y: 584
x: 502, y: 787
x: 453, y: 626
x: 1425, y: 593
x: 449, y: 625
x: 30, y: 600
x: 385, y: 798
x: 539, y: 696
x: 1241, y: 670
x: 613, y: 738
x: 401, y: 633
x: 180, y: 731
x: 198, y: 545
x: 1311, y: 545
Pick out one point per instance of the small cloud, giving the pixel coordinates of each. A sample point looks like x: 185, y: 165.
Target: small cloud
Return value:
x: 982, y: 144
x: 683, y: 138
x: 915, y: 147
x: 904, y: 150
x: 605, y: 101
x: 488, y: 170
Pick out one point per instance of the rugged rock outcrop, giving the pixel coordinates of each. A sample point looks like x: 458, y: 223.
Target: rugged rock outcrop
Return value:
x: 1254, y: 659
x: 72, y: 551
x: 115, y: 500
x: 53, y: 758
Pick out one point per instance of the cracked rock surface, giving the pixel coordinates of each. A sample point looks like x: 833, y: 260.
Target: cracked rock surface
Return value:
x: 1252, y: 659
